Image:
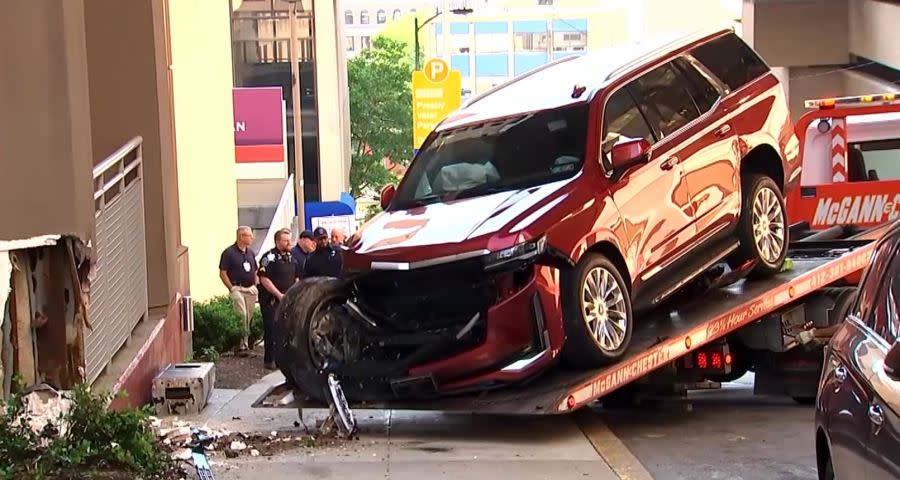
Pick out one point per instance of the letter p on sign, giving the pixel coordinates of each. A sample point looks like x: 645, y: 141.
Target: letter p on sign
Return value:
x: 436, y: 70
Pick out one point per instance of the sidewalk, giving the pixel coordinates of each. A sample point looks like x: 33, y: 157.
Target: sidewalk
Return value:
x: 407, y: 445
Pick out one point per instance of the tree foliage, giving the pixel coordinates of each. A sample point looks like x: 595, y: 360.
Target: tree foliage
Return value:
x: 379, y: 80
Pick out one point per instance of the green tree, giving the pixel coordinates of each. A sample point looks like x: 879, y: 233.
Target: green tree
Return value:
x: 379, y: 80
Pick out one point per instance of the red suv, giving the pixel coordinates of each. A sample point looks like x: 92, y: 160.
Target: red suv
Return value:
x: 538, y: 221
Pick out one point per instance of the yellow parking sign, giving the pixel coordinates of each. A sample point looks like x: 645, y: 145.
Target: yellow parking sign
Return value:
x: 436, y: 92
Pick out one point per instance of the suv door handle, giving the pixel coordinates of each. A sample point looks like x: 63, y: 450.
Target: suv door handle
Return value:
x: 723, y: 130
x: 669, y: 163
x: 876, y: 415
x: 840, y: 373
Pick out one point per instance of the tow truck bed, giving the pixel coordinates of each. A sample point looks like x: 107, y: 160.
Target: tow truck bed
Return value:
x: 660, y: 337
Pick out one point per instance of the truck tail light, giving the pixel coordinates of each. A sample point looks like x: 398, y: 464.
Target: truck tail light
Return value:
x: 702, y: 360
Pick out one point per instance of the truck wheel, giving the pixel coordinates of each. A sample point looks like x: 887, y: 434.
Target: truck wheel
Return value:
x: 762, y: 230
x: 597, y: 314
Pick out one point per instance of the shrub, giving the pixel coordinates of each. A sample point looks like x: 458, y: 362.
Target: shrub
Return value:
x: 219, y: 328
x: 95, y: 440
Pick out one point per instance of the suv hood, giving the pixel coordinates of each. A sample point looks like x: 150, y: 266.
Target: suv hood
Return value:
x: 458, y: 220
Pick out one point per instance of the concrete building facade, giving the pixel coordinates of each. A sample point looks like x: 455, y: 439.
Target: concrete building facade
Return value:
x: 117, y: 152
x: 825, y: 48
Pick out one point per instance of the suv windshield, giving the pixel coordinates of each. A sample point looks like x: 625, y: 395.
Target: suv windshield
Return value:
x: 504, y: 154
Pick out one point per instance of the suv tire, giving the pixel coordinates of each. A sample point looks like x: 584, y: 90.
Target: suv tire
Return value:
x: 597, y: 313
x: 762, y: 229
x: 296, y: 322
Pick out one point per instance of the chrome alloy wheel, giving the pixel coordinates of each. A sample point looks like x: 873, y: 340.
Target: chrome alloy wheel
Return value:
x: 768, y: 225
x: 603, y: 308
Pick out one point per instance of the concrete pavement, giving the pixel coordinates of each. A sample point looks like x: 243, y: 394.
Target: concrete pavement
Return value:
x: 413, y: 445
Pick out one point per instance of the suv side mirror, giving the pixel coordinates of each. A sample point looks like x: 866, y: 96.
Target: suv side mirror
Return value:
x: 387, y: 194
x: 629, y: 153
x: 892, y: 362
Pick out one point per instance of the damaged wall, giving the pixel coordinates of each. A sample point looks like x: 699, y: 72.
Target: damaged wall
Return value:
x: 46, y: 303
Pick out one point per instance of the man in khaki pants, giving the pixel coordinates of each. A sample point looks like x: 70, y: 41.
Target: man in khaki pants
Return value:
x: 238, y: 271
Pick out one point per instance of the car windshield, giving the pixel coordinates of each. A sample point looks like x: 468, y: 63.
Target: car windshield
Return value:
x: 510, y: 153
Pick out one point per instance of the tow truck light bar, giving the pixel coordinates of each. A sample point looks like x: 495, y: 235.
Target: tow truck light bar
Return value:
x: 827, y: 103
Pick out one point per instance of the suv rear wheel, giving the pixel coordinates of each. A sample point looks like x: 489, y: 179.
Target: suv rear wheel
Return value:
x: 597, y: 312
x: 763, y: 230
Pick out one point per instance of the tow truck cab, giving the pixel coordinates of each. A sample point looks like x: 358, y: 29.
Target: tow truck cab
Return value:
x: 850, y: 177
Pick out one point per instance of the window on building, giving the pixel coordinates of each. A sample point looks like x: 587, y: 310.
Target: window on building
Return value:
x: 364, y: 17
x: 665, y: 98
x: 545, y: 2
x: 730, y: 59
x: 397, y: 13
x: 531, y: 42
x: 381, y: 16
x: 569, y: 41
x: 348, y: 17
x: 365, y: 43
x: 351, y: 44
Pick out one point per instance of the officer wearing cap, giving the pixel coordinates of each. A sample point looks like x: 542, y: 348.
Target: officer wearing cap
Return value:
x: 304, y: 247
x: 326, y: 260
x: 277, y: 272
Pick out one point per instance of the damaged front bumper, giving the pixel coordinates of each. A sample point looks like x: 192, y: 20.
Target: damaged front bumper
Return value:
x: 475, y: 323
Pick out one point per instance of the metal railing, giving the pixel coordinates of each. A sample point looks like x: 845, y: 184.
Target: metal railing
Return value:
x: 284, y: 216
x: 118, y: 301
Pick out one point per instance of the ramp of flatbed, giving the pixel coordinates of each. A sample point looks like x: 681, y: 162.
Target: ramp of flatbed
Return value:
x: 659, y: 338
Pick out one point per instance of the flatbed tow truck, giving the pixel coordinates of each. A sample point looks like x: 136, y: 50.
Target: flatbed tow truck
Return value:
x: 775, y: 327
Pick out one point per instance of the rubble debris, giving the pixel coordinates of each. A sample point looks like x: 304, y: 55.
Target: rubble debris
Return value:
x: 254, y: 453
x: 181, y: 454
x: 237, y: 445
x: 44, y: 406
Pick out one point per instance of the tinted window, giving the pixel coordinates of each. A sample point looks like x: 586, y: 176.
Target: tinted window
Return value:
x: 505, y: 154
x: 873, y: 161
x: 666, y: 99
x: 622, y: 121
x: 886, y: 321
x: 704, y: 93
x: 730, y: 59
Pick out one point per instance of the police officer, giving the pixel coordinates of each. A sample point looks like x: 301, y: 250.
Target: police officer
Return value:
x: 326, y: 260
x: 277, y: 272
x: 306, y: 244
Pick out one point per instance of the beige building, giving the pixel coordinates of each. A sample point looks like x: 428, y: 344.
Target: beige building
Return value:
x: 825, y: 48
x: 117, y: 153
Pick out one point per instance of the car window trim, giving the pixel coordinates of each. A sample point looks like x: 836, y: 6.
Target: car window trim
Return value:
x: 660, y: 139
x: 751, y: 49
x: 653, y: 131
x: 714, y: 83
x: 868, y: 319
x: 687, y: 126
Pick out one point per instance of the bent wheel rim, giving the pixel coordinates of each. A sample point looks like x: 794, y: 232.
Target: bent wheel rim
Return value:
x: 768, y: 225
x: 603, y: 309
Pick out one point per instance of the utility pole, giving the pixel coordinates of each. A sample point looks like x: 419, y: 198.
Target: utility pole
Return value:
x: 297, y: 109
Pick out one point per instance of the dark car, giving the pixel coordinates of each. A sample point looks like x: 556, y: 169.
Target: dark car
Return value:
x: 539, y: 220
x: 858, y: 402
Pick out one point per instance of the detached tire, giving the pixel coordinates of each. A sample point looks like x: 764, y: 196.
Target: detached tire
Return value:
x: 293, y: 320
x: 596, y: 313
x: 762, y: 230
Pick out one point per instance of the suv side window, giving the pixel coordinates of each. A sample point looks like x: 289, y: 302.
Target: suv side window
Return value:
x: 730, y: 59
x: 623, y: 121
x: 666, y: 99
x: 705, y: 94
x: 886, y: 314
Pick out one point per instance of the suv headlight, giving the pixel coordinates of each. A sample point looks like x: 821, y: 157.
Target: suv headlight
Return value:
x: 517, y: 253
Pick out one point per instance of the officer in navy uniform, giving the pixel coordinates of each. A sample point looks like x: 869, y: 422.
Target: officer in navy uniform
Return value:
x: 326, y: 260
x: 277, y: 272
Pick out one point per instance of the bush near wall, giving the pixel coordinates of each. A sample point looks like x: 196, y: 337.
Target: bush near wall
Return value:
x: 218, y: 328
